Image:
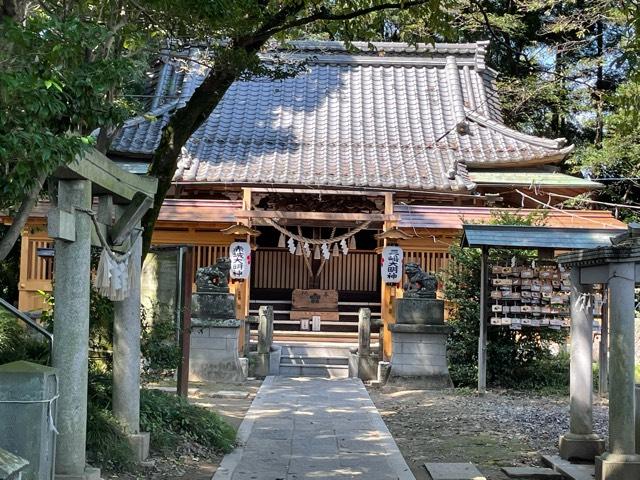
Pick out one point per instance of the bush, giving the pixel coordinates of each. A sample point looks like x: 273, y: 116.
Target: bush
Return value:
x: 160, y: 350
x: 17, y: 342
x: 516, y: 358
x: 167, y: 417
x: 107, y: 444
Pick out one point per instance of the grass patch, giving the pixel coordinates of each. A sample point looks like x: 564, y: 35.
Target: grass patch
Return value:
x: 638, y: 373
x: 106, y: 441
x: 169, y: 419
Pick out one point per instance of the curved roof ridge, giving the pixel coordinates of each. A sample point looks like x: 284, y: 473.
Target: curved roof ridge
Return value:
x: 556, y: 143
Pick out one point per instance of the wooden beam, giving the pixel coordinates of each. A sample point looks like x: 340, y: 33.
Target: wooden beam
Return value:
x: 107, y: 177
x: 257, y: 215
x: 130, y: 217
x: 319, y: 191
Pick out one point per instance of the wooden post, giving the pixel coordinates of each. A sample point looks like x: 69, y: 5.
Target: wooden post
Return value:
x: 482, y: 338
x: 603, y: 371
x: 387, y: 292
x: 185, y: 337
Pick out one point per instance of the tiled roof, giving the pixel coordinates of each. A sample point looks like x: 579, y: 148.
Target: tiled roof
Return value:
x: 400, y: 117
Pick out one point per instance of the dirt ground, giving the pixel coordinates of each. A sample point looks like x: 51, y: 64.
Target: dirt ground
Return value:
x: 190, y: 461
x: 491, y: 431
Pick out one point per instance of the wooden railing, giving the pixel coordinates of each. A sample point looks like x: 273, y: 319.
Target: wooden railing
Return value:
x: 430, y: 261
x: 36, y: 273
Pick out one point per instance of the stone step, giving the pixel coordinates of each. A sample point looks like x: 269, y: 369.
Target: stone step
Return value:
x: 330, y: 371
x: 314, y: 351
x: 572, y: 471
x: 532, y: 473
x: 454, y: 471
x: 304, y: 360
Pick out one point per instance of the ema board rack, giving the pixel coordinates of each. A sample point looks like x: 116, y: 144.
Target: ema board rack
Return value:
x: 530, y: 295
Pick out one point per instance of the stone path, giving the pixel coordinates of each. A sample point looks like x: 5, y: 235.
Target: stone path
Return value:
x: 310, y: 427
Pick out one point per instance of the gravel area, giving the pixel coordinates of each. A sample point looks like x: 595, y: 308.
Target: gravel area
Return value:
x: 498, y: 429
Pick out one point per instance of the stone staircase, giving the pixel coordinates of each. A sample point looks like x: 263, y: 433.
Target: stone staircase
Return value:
x: 314, y: 361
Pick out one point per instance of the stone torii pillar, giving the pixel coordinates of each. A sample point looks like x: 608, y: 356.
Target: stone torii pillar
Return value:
x: 71, y: 229
x: 580, y: 442
x: 616, y: 266
x: 70, y: 225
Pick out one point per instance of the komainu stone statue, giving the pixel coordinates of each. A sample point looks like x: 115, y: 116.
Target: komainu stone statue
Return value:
x: 420, y: 284
x: 214, y: 278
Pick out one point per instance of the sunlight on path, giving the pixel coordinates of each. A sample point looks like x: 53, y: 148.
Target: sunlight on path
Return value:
x: 313, y: 428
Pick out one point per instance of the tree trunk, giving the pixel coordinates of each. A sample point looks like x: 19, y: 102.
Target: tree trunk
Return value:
x: 21, y: 217
x: 185, y: 122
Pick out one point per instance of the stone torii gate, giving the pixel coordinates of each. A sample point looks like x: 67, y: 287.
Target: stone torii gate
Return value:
x: 618, y: 267
x: 122, y: 200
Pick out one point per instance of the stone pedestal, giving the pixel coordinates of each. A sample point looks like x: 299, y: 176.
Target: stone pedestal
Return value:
x: 420, y: 352
x: 214, y: 351
x: 25, y: 428
x: 419, y: 341
x: 215, y: 335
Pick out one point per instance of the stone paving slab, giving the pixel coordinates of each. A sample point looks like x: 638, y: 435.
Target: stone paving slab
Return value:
x: 310, y: 427
x: 454, y: 471
x: 532, y: 473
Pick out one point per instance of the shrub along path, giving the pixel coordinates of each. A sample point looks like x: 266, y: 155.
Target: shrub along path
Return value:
x: 310, y: 427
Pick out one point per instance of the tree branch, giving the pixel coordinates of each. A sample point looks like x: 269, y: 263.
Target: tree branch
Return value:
x: 20, y: 219
x: 324, y: 14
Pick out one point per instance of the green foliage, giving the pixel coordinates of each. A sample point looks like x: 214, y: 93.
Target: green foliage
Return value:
x: 516, y: 359
x: 167, y: 417
x: 160, y: 350
x: 18, y: 343
x: 107, y: 444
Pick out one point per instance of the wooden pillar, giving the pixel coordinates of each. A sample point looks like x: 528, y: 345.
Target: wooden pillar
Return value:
x: 387, y: 292
x: 243, y: 289
x: 482, y: 338
x: 185, y: 337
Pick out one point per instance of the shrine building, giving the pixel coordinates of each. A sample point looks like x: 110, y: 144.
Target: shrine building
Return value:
x: 382, y: 144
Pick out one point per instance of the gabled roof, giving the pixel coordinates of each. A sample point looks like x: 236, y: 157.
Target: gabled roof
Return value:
x: 397, y: 117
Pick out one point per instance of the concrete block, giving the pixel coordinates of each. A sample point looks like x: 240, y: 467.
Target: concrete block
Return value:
x: 454, y: 471
x: 426, y: 360
x: 24, y: 427
x: 140, y: 445
x: 617, y: 467
x: 581, y: 447
x: 433, y: 347
x: 244, y: 365
x: 532, y: 473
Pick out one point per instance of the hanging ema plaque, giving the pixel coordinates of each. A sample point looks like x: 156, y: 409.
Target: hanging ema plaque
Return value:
x: 240, y: 256
x: 391, y: 264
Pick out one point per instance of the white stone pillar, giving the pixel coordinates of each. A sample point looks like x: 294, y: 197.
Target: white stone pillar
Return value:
x: 71, y: 332
x: 621, y: 461
x: 580, y: 442
x: 126, y: 359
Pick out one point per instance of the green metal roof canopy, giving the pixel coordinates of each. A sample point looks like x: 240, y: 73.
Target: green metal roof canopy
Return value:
x: 523, y: 236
